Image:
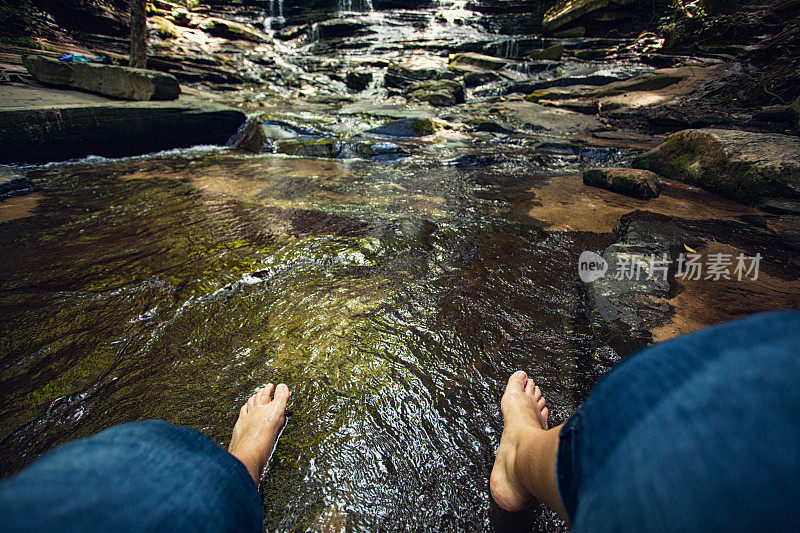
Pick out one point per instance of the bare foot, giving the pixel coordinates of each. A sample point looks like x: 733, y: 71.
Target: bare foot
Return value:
x: 525, y: 417
x: 256, y: 430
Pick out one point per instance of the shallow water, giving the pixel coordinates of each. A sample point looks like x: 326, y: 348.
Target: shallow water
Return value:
x: 394, y: 300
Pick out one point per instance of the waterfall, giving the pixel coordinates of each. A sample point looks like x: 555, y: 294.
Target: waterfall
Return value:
x: 275, y: 18
x: 354, y: 5
x: 272, y: 10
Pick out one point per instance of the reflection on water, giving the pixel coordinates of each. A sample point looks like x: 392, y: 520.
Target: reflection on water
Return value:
x: 394, y: 300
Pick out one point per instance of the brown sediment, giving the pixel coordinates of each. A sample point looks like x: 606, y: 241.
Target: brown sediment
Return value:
x: 18, y: 207
x: 564, y: 203
x: 704, y: 302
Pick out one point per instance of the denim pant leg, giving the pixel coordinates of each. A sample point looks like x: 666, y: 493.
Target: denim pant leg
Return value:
x: 143, y: 476
x: 699, y: 433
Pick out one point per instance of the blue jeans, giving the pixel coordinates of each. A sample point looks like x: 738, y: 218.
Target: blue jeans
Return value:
x: 698, y: 433
x: 144, y: 476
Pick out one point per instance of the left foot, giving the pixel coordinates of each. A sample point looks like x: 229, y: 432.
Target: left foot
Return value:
x: 256, y: 430
x: 525, y: 418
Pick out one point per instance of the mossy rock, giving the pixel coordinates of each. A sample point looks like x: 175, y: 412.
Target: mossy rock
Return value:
x: 745, y: 166
x: 438, y: 93
x: 472, y: 62
x: 410, y: 127
x: 228, y: 29
x: 163, y: 27
x: 651, y: 81
x: 550, y: 94
x: 553, y: 53
x: 632, y: 182
x: 565, y: 12
x: 329, y: 148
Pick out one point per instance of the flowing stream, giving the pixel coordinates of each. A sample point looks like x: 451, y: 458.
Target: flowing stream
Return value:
x: 393, y: 297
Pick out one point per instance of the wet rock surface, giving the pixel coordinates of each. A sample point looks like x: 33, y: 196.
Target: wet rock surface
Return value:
x: 438, y: 93
x: 228, y: 29
x: 43, y: 134
x: 636, y: 183
x: 13, y: 183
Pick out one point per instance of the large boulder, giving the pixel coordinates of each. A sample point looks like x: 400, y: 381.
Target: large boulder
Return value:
x: 564, y: 13
x: 472, y: 62
x: 228, y: 29
x: 108, y: 80
x: 410, y: 127
x: 13, y: 183
x: 436, y: 92
x: 761, y: 169
x: 636, y: 183
x: 42, y: 134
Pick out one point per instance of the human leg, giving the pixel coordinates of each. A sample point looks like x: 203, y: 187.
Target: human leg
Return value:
x: 700, y: 432
x: 148, y: 476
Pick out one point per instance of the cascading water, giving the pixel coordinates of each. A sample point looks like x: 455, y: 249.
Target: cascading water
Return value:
x: 275, y: 14
x: 355, y: 5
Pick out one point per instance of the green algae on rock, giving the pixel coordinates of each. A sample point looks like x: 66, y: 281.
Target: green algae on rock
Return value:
x: 410, y: 127
x: 438, y: 93
x: 632, y: 182
x: 755, y: 168
x: 471, y: 62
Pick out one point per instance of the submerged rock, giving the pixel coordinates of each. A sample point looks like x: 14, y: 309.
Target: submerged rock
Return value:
x: 228, y: 29
x: 566, y: 12
x: 755, y: 168
x: 13, y: 183
x: 632, y: 291
x: 410, y: 127
x: 436, y: 92
x: 339, y: 148
x: 632, y: 182
x: 108, y: 80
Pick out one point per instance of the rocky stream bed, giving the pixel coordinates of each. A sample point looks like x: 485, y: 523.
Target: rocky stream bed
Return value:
x: 384, y: 207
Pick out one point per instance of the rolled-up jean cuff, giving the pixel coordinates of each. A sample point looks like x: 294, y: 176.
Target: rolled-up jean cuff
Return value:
x: 567, y: 468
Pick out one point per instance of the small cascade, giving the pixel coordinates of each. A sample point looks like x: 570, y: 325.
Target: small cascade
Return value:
x: 275, y: 17
x: 509, y: 49
x: 355, y: 5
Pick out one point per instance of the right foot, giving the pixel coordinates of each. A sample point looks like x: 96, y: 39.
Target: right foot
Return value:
x: 525, y: 417
x: 256, y: 430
